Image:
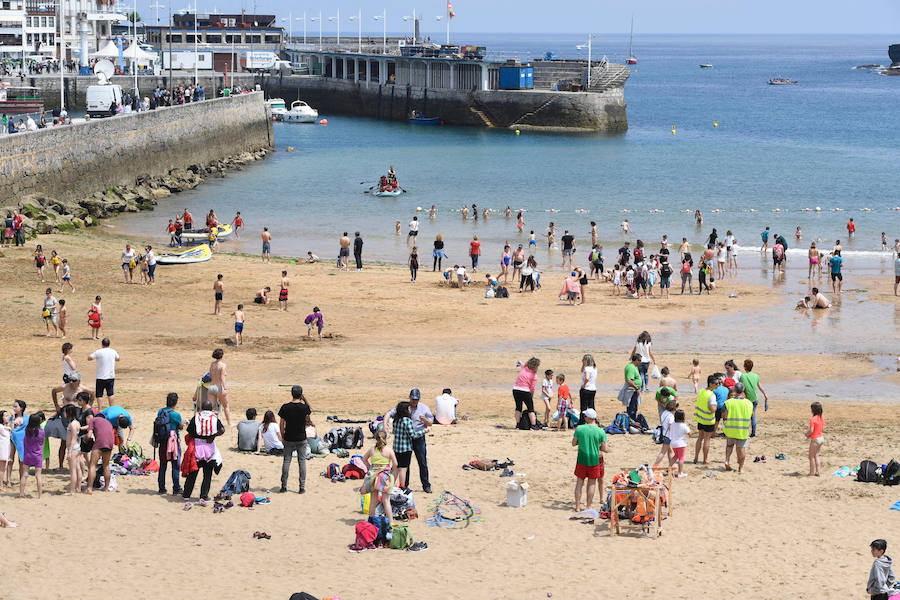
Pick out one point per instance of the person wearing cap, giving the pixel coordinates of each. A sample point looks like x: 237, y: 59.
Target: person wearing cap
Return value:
x: 445, y: 408
x: 292, y: 424
x: 590, y: 439
x: 422, y: 419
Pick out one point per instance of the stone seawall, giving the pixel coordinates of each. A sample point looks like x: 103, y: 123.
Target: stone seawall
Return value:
x: 105, y: 166
x: 531, y: 109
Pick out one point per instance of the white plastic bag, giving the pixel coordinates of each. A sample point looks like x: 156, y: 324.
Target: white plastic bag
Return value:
x: 655, y: 374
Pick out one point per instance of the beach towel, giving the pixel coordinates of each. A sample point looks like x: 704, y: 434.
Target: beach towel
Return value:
x: 189, y: 459
x: 366, y: 534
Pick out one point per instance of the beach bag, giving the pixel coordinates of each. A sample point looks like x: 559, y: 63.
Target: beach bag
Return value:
x: 868, y: 472
x: 685, y: 267
x: 654, y: 373
x: 383, y: 526
x: 161, y: 428
x: 401, y: 538
x: 351, y: 471
x: 366, y: 534
x: 238, y: 483
x: 658, y: 437
x: 134, y: 450
x: 666, y: 270
x: 622, y: 422
x: 891, y: 473
x: 501, y: 292
x: 247, y: 499
x: 525, y: 422
x: 333, y: 470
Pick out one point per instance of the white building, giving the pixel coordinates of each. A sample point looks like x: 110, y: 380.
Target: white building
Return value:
x: 40, y: 33
x: 12, y: 28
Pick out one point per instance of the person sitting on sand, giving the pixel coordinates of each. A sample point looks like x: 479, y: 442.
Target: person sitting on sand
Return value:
x: 248, y: 432
x: 445, y: 407
x: 819, y: 300
x: 269, y: 435
x: 262, y: 296
x: 312, y: 258
x: 805, y: 303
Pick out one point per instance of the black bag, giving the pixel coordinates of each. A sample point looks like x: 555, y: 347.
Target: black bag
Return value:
x: 891, y: 473
x: 161, y: 428
x: 502, y: 292
x: 525, y: 422
x: 666, y: 270
x: 868, y: 472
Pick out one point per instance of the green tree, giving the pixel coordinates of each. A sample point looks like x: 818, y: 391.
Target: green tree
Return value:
x: 133, y: 16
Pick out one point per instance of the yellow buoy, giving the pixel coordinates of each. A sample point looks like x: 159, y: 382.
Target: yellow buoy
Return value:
x: 517, y: 132
x: 673, y: 130
x: 715, y: 123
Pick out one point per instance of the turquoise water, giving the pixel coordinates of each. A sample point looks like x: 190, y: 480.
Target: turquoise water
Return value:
x: 833, y: 141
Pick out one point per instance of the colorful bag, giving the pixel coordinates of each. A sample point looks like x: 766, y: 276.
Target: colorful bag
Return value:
x: 401, y: 538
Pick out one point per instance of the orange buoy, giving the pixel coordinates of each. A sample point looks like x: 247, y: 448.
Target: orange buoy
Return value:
x: 323, y: 122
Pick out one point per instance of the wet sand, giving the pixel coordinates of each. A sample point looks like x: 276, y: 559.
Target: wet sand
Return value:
x: 389, y: 336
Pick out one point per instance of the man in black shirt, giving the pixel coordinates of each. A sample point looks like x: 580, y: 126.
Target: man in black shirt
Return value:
x: 357, y: 251
x: 568, y: 242
x: 293, y: 434
x: 625, y: 254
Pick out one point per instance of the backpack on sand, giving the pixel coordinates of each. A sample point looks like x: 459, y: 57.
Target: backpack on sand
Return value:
x: 868, y: 472
x: 891, y: 473
x: 401, y: 538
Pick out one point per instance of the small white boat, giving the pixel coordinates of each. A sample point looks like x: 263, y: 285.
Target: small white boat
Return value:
x: 276, y: 105
x: 706, y: 66
x: 196, y: 254
x: 389, y: 193
x: 222, y: 232
x: 300, y: 112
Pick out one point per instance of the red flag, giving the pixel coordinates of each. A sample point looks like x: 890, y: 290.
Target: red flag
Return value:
x: 450, y: 9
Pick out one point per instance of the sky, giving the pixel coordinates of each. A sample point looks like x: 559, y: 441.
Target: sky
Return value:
x: 579, y: 16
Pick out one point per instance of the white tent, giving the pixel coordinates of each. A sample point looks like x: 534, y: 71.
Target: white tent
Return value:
x: 109, y: 50
x: 136, y: 53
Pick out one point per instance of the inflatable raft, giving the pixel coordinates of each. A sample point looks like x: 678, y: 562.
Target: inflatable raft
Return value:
x: 196, y: 254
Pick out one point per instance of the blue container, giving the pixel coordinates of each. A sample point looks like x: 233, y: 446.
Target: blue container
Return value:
x: 516, y: 78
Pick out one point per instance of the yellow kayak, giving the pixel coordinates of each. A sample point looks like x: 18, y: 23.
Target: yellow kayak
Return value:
x: 196, y: 254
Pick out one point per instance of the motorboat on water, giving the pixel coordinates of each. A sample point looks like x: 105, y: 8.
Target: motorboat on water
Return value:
x: 196, y: 254
x: 706, y: 66
x: 420, y: 119
x: 276, y: 105
x: 300, y: 112
x: 783, y: 81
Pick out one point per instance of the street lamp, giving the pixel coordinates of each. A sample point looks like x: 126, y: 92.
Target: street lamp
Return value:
x: 383, y: 18
x: 358, y: 18
x: 414, y: 20
x: 319, y: 19
x: 157, y: 6
x: 290, y: 21
x: 337, y: 19
x: 303, y: 18
x: 196, y: 55
x: 588, y: 46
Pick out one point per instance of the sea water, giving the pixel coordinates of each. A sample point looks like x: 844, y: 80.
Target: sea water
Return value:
x: 830, y: 144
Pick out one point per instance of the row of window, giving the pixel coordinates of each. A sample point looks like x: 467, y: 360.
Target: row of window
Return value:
x: 43, y: 38
x: 218, y: 39
x: 40, y: 21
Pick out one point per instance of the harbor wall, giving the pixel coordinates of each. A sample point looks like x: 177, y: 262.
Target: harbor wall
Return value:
x: 74, y: 162
x: 523, y: 109
x: 75, y: 86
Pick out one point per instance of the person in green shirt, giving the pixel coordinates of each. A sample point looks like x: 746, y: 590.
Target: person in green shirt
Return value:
x: 590, y: 439
x: 630, y: 395
x: 752, y: 387
x: 663, y: 395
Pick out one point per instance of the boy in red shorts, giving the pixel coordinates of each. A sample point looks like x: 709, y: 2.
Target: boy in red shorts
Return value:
x: 590, y: 439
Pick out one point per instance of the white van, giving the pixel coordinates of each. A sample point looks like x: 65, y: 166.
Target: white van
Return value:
x: 100, y: 98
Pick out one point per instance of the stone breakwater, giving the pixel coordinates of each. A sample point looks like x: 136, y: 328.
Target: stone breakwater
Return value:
x: 45, y: 214
x: 65, y: 177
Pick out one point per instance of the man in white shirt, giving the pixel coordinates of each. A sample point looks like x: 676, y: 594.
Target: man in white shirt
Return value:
x: 106, y: 359
x: 445, y: 408
x: 413, y: 230
x: 151, y: 264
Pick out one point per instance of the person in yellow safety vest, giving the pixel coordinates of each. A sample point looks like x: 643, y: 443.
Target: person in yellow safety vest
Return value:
x: 705, y: 416
x: 737, y: 415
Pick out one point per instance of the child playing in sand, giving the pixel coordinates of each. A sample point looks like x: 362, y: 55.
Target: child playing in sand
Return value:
x: 694, y: 375
x: 314, y: 317
x: 678, y: 434
x: 547, y: 393
x: 312, y: 258
x: 816, y: 436
x: 881, y: 577
x: 238, y: 325
x: 66, y: 276
x: 62, y: 317
x: 145, y: 270
x: 564, y: 403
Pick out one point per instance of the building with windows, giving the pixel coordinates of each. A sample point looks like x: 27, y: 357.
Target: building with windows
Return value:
x: 40, y: 32
x: 228, y: 37
x: 12, y: 28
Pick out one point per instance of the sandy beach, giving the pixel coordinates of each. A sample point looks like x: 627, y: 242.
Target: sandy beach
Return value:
x: 770, y: 532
